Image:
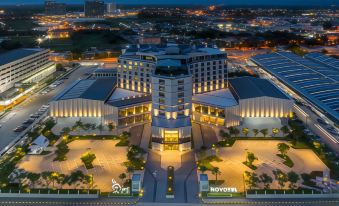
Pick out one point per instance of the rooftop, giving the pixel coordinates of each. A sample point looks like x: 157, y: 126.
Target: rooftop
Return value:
x: 251, y: 87
x: 170, y: 67
x: 219, y: 98
x: 16, y: 54
x: 123, y: 97
x: 315, y: 77
x: 93, y: 89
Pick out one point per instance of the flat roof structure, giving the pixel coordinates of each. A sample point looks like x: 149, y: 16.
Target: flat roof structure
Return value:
x: 122, y: 97
x: 16, y: 54
x: 316, y: 82
x: 93, y: 89
x: 251, y: 87
x: 218, y: 98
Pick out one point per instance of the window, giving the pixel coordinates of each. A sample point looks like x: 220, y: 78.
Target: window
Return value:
x: 161, y: 94
x: 161, y: 101
x: 180, y: 100
x: 181, y: 94
x: 181, y: 107
x: 181, y: 81
x: 161, y: 81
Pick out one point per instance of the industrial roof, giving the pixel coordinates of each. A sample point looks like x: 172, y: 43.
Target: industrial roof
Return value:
x: 93, y: 89
x: 218, y: 98
x: 251, y: 87
x: 16, y: 54
x: 324, y: 59
x: 317, y: 82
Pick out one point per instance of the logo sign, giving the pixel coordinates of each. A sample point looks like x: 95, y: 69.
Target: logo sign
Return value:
x: 118, y: 189
x: 223, y: 189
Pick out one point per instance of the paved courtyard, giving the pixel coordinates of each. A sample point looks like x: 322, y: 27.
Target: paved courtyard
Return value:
x: 107, y: 165
x: 232, y: 168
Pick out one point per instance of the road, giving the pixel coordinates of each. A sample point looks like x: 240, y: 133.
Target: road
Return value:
x: 31, y: 105
x: 111, y: 201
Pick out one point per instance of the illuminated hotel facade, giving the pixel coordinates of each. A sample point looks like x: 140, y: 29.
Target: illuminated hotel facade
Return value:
x: 170, y: 87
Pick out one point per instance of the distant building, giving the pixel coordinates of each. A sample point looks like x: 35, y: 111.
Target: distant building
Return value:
x: 149, y: 40
x: 54, y: 8
x: 111, y: 7
x: 59, y: 33
x: 24, y: 66
x: 94, y: 8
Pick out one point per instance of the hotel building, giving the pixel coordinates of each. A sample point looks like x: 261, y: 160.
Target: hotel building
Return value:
x: 171, y: 86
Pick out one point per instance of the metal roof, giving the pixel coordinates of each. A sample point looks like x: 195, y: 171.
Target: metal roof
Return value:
x: 93, y: 89
x: 16, y: 54
x: 315, y: 81
x: 251, y: 87
x: 130, y: 101
x: 324, y: 59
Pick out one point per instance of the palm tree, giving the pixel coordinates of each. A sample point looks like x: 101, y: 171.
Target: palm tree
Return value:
x: 245, y: 131
x: 275, y: 131
x: 54, y: 177
x: 47, y: 177
x: 264, y: 132
x: 203, y: 169
x: 284, y: 130
x: 216, y: 172
x: 293, y: 178
x: 33, y: 178
x: 255, y: 132
x: 266, y: 180
x: 234, y: 131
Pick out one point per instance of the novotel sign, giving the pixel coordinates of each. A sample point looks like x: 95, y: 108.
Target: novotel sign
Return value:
x: 223, y: 189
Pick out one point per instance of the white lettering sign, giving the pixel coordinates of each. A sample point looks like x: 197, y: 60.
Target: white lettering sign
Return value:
x: 223, y: 189
x: 118, y: 189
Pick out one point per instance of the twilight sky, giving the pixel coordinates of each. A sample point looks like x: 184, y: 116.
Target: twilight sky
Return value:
x: 224, y: 2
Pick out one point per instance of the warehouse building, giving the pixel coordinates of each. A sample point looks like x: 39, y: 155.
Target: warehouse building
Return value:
x: 315, y: 78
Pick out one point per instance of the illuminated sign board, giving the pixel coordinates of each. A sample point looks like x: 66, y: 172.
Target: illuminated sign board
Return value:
x: 223, y: 189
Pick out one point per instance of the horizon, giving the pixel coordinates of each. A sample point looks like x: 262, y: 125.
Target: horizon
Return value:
x: 322, y: 3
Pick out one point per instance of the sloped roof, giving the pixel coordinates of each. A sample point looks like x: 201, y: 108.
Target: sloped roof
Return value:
x: 251, y: 87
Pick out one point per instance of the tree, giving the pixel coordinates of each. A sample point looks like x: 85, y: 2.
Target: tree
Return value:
x: 79, y: 124
x: 281, y: 177
x: 216, y: 172
x: 65, y: 131
x: 250, y: 158
x: 251, y: 179
x: 275, y: 131
x: 93, y: 126
x: 47, y: 176
x: 203, y: 169
x: 54, y: 177
x: 100, y: 127
x: 264, y: 132
x: 283, y: 148
x: 293, y: 178
x: 122, y: 176
x: 266, y: 180
x: 234, y: 131
x: 75, y: 177
x: 61, y: 180
x: 88, y: 180
x: 284, y: 130
x: 245, y: 131
x: 33, y: 178
x: 88, y: 158
x: 255, y: 132
x: 87, y: 126
x: 110, y: 127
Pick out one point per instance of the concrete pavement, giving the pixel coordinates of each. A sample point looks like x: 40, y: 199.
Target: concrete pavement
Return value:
x: 21, y: 112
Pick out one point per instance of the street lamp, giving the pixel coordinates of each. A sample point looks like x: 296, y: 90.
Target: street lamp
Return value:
x: 39, y: 40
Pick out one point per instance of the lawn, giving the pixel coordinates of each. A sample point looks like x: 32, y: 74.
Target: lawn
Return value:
x: 287, y: 160
x: 206, y: 162
x: 83, y: 40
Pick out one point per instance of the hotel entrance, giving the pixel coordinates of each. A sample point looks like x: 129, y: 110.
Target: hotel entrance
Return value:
x: 171, y: 140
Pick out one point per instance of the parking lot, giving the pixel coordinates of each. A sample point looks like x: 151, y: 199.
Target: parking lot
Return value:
x: 232, y: 168
x: 107, y: 165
